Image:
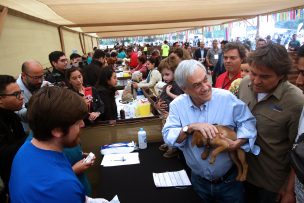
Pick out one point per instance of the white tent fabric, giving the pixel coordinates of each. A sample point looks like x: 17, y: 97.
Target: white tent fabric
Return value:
x: 113, y: 18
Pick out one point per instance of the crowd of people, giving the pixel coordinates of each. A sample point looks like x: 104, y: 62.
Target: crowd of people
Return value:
x: 248, y: 91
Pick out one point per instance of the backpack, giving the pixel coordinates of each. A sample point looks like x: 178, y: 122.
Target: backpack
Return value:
x: 297, y: 158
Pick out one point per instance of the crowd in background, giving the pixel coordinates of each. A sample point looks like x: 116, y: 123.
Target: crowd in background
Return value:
x: 264, y: 109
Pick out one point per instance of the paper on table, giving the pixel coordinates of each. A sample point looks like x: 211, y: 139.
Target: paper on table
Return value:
x: 120, y: 159
x: 115, y: 200
x: 171, y: 179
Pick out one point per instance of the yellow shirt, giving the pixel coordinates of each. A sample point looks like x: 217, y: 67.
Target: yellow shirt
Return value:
x: 165, y: 50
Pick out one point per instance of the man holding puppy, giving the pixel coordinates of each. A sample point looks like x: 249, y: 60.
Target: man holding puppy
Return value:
x: 201, y: 107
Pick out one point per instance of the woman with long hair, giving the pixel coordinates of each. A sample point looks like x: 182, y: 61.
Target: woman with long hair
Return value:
x: 106, y: 87
x: 74, y: 81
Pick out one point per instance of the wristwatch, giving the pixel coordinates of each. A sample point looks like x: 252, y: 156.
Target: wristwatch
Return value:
x: 185, y: 129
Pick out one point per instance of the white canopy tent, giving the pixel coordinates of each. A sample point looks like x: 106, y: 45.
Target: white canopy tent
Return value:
x: 113, y: 18
x: 34, y: 28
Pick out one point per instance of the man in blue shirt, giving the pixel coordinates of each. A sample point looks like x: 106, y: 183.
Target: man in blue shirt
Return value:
x: 198, y: 109
x: 40, y: 170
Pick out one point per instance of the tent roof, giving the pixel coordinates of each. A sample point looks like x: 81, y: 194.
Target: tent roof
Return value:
x: 118, y: 18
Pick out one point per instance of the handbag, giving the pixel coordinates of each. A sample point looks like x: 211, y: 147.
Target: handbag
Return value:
x: 297, y: 158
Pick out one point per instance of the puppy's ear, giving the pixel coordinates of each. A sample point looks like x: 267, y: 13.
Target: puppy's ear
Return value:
x: 197, y: 139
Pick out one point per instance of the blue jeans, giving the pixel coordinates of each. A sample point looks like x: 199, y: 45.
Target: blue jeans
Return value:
x: 228, y: 191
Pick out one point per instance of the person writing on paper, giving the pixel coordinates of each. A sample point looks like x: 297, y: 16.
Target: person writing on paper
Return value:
x: 197, y: 109
x: 40, y: 170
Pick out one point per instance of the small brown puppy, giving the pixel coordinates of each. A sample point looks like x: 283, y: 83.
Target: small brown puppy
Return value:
x: 237, y: 156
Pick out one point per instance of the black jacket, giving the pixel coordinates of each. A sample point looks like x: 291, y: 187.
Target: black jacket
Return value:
x: 107, y: 95
x: 175, y: 90
x: 97, y: 104
x: 197, y: 53
x: 56, y: 77
x: 12, y: 136
x: 91, y: 73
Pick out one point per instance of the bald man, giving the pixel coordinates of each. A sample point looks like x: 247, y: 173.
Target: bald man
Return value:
x: 30, y: 80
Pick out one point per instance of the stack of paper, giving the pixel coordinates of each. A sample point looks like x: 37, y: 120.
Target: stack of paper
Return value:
x: 171, y: 179
x: 120, y: 159
x: 118, y: 148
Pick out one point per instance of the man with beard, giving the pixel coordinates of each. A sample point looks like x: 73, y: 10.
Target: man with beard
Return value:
x: 40, y: 170
x: 201, y: 107
x: 12, y: 135
x: 30, y: 80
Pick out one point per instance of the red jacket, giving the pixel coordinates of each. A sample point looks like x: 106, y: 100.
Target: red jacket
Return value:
x: 133, y: 60
x: 223, y: 81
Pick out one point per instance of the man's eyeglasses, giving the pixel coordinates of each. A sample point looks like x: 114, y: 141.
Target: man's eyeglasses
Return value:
x: 63, y: 60
x: 15, y: 94
x: 35, y: 77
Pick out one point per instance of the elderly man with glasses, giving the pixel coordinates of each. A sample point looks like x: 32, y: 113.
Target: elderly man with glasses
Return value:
x: 30, y: 80
x: 12, y: 135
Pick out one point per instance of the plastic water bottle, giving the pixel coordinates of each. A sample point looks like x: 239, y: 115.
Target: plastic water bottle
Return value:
x: 122, y: 114
x: 142, y: 139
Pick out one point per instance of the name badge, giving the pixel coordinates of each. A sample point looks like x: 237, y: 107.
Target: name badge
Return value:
x: 216, y: 56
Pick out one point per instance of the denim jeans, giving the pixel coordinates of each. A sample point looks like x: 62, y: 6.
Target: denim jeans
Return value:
x: 228, y: 191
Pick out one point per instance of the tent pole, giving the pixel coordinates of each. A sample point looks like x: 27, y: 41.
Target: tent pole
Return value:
x: 84, y: 44
x: 61, y: 38
x: 2, y: 18
x: 258, y: 28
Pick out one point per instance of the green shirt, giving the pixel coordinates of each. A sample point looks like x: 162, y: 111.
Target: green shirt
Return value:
x: 165, y: 50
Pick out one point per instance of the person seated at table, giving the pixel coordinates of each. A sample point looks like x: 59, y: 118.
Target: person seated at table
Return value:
x: 121, y: 53
x: 132, y: 55
x: 153, y: 77
x: 112, y: 59
x: 106, y: 87
x: 74, y: 81
x: 142, y: 66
